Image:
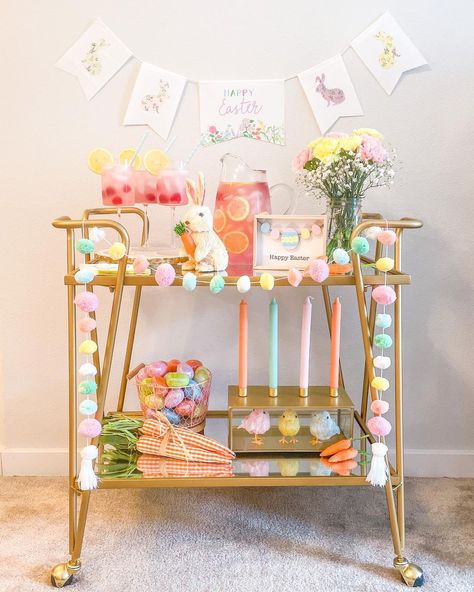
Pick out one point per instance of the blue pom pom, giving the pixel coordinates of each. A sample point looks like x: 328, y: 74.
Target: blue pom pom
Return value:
x: 265, y: 228
x: 88, y: 387
x: 189, y: 281
x: 340, y: 256
x: 85, y: 246
x: 171, y: 416
x: 88, y: 407
x: 384, y: 321
x: 84, y: 276
x: 382, y: 340
x: 360, y: 245
x: 217, y: 284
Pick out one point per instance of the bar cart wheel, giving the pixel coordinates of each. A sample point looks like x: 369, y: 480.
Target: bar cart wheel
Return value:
x: 62, y: 574
x: 411, y: 573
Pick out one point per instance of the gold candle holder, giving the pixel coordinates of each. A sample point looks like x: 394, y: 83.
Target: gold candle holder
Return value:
x: 272, y: 392
x: 333, y: 392
x: 303, y: 391
x: 242, y: 391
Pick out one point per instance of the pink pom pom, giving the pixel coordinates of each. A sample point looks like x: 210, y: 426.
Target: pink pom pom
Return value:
x: 89, y: 428
x: 165, y: 274
x: 379, y: 426
x: 86, y: 325
x: 87, y: 301
x: 294, y: 277
x: 316, y: 230
x: 387, y: 237
x: 384, y: 295
x: 318, y: 270
x: 379, y: 407
x: 140, y: 264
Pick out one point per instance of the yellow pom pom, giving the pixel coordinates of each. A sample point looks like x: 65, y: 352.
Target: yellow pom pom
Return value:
x: 267, y: 281
x: 384, y: 264
x: 380, y: 383
x: 117, y: 251
x: 88, y: 347
x: 305, y: 233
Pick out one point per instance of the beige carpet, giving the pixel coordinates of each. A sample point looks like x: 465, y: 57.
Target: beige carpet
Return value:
x: 240, y: 540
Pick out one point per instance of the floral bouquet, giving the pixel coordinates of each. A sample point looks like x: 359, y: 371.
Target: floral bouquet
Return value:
x: 341, y: 167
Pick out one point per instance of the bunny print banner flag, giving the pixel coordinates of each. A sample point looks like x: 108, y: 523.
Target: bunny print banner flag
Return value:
x: 330, y: 92
x: 387, y: 51
x: 242, y: 108
x: 95, y: 57
x: 155, y: 99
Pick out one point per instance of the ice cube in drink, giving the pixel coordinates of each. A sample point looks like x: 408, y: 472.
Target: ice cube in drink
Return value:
x: 171, y: 188
x: 145, y: 187
x: 117, y: 185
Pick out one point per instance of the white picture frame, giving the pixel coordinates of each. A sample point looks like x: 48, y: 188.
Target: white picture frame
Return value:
x: 270, y: 253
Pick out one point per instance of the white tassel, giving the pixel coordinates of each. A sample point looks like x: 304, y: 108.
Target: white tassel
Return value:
x: 87, y: 478
x: 378, y: 473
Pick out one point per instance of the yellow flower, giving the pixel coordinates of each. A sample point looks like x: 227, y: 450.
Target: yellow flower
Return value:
x: 350, y: 143
x: 324, y: 148
x: 368, y: 131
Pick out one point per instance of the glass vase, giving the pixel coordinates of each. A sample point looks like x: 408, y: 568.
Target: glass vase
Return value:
x: 343, y: 214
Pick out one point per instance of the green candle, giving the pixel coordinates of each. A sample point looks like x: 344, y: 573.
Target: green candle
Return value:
x: 273, y: 349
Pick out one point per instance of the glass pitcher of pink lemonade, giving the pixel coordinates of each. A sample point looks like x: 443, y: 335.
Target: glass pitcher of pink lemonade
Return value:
x: 243, y: 192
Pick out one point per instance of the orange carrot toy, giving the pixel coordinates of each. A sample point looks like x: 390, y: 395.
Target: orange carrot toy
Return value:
x: 337, y: 447
x: 344, y: 455
x: 186, y: 239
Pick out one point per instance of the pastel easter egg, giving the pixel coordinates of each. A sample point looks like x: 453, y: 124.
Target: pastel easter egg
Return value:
x: 88, y: 347
x: 86, y: 324
x: 89, y: 428
x: 384, y: 264
x: 217, y: 284
x: 88, y: 407
x: 360, y: 245
x: 383, y: 340
x: 243, y: 284
x: 294, y: 277
x: 305, y: 233
x: 382, y: 362
x: 379, y: 426
x: 265, y: 228
x: 189, y: 281
x: 380, y: 383
x: 267, y: 281
x: 84, y: 276
x: 174, y: 397
x: 158, y: 368
x: 200, y: 410
x: 289, y: 238
x: 173, y: 365
x: 192, y: 391
x: 387, y: 237
x: 87, y: 301
x: 340, y: 256
x: 383, y: 320
x: 194, y: 363
x: 159, y: 386
x: 147, y: 387
x: 176, y: 379
x: 85, y: 246
x: 318, y: 270
x: 87, y: 387
x: 171, y: 416
x: 142, y: 375
x: 165, y: 274
x: 117, y: 251
x: 154, y: 401
x: 140, y: 264
x: 184, y: 368
x: 384, y: 295
x: 202, y: 375
x: 379, y: 407
x: 372, y: 232
x: 185, y: 408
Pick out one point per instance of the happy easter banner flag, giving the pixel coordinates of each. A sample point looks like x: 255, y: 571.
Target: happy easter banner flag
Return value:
x: 252, y: 109
x: 330, y: 92
x: 387, y: 51
x: 155, y: 99
x: 95, y: 57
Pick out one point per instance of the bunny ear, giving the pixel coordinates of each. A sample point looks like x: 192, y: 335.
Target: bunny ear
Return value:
x: 201, y: 189
x: 191, y: 191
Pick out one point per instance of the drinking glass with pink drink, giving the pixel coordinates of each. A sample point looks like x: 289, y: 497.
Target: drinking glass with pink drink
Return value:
x: 118, y: 185
x: 145, y: 187
x: 171, y: 191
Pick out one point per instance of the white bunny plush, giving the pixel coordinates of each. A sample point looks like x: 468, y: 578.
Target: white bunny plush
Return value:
x: 210, y: 253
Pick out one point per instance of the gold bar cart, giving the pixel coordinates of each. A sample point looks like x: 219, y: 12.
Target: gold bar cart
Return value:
x: 360, y: 279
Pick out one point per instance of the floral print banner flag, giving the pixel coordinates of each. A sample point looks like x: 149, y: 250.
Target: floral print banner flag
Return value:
x: 330, y: 92
x: 95, y: 57
x: 155, y: 99
x: 242, y: 109
x: 387, y: 51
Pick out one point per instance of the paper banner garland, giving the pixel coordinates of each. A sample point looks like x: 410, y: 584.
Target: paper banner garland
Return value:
x: 387, y: 51
x: 330, y: 92
x: 242, y: 108
x: 95, y: 57
x: 155, y: 99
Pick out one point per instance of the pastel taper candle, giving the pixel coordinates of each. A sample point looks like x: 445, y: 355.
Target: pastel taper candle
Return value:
x: 243, y: 348
x: 273, y: 350
x: 335, y: 347
x: 305, y: 346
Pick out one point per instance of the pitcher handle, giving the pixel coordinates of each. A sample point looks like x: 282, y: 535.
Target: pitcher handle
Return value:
x: 291, y: 194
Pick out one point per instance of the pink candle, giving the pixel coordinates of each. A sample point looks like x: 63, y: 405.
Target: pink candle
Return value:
x: 243, y: 345
x: 335, y: 346
x: 305, y: 346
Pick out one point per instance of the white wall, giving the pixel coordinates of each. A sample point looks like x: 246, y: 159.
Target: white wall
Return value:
x: 48, y: 128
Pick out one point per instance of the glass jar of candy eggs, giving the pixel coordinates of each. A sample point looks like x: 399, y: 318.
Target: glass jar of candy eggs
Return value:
x: 178, y: 390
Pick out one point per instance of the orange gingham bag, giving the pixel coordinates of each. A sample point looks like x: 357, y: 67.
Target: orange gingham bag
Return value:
x: 156, y: 466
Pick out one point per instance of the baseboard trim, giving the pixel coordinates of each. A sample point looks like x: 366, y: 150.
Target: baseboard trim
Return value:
x: 418, y: 463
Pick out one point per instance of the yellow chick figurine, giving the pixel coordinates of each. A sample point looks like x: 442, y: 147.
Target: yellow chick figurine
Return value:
x: 289, y: 425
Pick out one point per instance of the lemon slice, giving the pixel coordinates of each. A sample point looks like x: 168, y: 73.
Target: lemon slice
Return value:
x: 98, y: 158
x: 127, y: 155
x: 155, y: 160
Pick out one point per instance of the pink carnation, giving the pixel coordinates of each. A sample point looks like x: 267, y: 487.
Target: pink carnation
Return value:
x: 371, y: 149
x: 301, y: 159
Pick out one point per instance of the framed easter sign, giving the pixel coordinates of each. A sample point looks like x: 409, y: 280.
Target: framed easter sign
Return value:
x: 283, y: 242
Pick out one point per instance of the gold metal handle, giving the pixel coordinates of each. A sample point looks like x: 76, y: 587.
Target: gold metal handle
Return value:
x: 125, y: 210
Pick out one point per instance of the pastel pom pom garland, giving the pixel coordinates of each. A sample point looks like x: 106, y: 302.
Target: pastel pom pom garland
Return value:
x: 165, y: 274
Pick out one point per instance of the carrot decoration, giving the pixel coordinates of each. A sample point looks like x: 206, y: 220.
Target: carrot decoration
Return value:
x: 186, y: 238
x: 344, y: 455
x: 337, y: 447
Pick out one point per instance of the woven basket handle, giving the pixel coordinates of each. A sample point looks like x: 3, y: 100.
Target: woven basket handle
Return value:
x: 135, y: 371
